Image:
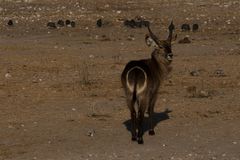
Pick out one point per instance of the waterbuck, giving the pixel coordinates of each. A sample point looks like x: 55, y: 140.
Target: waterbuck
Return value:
x: 141, y: 80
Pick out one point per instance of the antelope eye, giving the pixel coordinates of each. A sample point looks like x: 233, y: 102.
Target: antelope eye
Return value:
x: 160, y: 47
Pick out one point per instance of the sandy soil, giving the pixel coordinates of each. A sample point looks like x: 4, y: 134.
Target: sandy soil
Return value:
x: 60, y: 91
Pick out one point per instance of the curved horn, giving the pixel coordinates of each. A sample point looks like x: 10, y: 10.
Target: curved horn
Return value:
x: 152, y: 35
x: 171, y: 28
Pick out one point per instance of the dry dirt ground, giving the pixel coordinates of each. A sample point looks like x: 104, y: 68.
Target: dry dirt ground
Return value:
x: 60, y: 91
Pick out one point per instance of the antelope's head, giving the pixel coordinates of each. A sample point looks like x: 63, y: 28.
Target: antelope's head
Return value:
x: 162, y: 48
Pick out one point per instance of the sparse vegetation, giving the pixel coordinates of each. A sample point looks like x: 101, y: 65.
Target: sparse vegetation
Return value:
x: 85, y: 74
x: 50, y: 79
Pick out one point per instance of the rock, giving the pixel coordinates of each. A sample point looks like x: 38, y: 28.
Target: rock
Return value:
x: 73, y: 24
x: 8, y: 75
x: 184, y: 40
x: 185, y: 27
x: 91, y: 133
x: 60, y: 23
x: 68, y: 23
x: 10, y: 23
x: 131, y: 38
x: 91, y: 56
x: 99, y: 23
x: 136, y: 23
x: 105, y: 38
x: 195, y: 73
x: 129, y: 23
x: 192, y: 91
x: 195, y: 27
x: 219, y: 73
x: 51, y: 25
x: 234, y: 142
x: 203, y: 94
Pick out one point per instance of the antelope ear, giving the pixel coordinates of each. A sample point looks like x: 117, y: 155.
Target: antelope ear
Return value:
x: 150, y: 42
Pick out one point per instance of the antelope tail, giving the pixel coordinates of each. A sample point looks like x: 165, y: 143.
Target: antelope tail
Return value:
x: 134, y: 98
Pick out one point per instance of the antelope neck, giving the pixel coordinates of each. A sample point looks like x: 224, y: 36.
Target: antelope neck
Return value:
x: 160, y: 63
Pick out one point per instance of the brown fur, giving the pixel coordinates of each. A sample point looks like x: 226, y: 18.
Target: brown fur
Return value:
x: 141, y: 80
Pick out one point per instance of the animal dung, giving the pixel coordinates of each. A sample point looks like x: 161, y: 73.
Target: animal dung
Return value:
x: 60, y: 23
x: 136, y: 23
x: 51, y: 25
x: 10, y: 23
x: 195, y: 27
x: 99, y: 23
x: 185, y: 40
x: 185, y: 27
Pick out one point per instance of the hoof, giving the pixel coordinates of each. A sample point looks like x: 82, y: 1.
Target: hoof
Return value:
x: 134, y: 139
x: 140, y: 141
x: 151, y: 132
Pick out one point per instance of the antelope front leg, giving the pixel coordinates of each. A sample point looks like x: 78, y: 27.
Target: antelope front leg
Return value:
x: 151, y: 130
x: 150, y: 113
x: 134, y: 127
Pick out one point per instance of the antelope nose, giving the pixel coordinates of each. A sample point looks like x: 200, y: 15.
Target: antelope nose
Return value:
x: 170, y: 57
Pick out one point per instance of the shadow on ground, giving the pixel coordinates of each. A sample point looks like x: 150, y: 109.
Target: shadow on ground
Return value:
x: 157, y: 118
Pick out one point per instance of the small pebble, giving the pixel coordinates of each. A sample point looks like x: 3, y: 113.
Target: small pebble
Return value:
x: 203, y: 94
x: 8, y: 75
x: 91, y: 133
x: 91, y: 56
x: 131, y: 38
x: 234, y: 142
x: 194, y: 73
